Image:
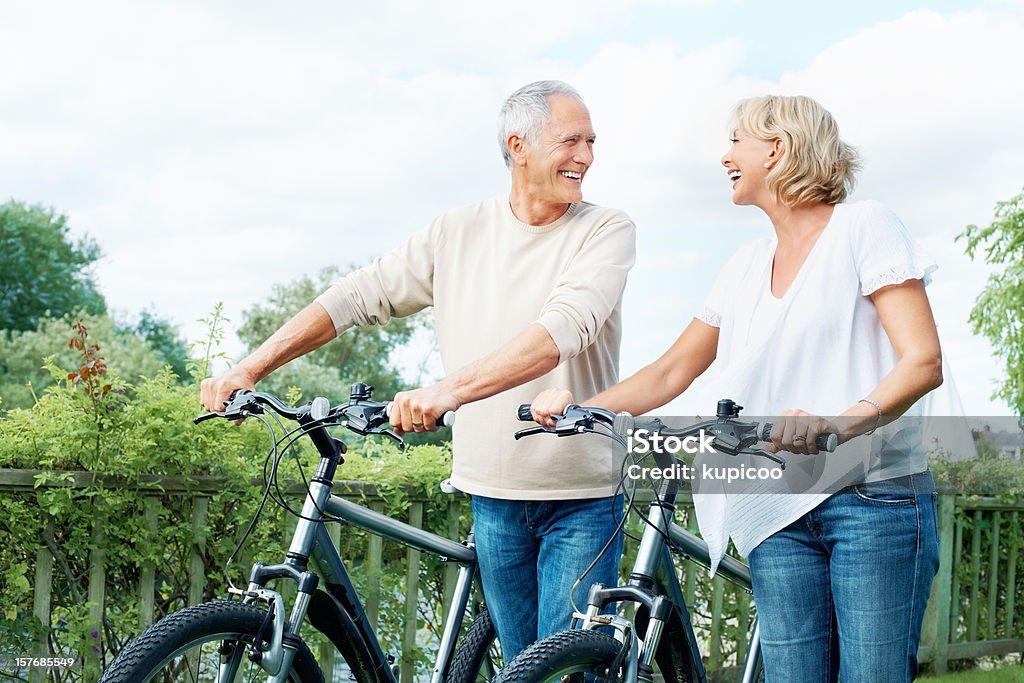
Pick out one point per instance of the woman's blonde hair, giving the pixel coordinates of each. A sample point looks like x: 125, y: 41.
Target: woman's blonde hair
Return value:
x: 816, y: 166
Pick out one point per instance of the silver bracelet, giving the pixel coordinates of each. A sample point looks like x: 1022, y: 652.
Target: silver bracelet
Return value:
x: 877, y: 419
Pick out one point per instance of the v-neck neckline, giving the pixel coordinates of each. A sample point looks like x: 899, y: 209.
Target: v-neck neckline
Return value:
x: 804, y: 267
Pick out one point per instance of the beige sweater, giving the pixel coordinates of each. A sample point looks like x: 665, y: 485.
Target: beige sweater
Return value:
x: 488, y: 276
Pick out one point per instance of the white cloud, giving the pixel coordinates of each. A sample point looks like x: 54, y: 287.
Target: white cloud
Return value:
x: 215, y: 149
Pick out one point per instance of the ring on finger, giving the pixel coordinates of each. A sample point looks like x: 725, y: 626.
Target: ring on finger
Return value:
x: 417, y: 424
x: 799, y: 437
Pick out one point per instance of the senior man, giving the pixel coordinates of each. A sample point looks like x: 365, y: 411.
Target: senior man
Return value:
x: 527, y: 292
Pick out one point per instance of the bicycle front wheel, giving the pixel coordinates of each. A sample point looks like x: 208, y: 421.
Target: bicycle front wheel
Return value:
x: 565, y: 654
x: 192, y: 644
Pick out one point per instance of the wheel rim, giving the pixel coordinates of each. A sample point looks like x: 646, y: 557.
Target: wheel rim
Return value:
x: 199, y: 661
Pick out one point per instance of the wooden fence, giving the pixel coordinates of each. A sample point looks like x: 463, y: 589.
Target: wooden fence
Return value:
x: 971, y: 613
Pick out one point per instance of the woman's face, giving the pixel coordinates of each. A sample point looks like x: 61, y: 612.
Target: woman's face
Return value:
x: 745, y: 162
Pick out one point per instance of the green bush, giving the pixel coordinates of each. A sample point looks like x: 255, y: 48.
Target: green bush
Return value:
x: 90, y: 420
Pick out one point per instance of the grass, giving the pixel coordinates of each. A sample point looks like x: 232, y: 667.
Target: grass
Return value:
x: 1005, y: 674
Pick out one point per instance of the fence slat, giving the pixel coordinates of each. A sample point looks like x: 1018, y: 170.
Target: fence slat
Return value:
x: 375, y: 552
x: 147, y: 576
x: 743, y: 607
x: 451, y: 570
x: 326, y: 658
x: 41, y: 599
x: 1011, y: 574
x: 935, y: 629
x: 954, y: 604
x: 993, y: 576
x: 717, y: 600
x: 972, y: 614
x: 412, y: 592
x: 691, y: 567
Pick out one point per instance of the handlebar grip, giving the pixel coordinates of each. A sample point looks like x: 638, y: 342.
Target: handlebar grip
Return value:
x: 826, y: 441
x: 523, y: 412
x: 446, y: 420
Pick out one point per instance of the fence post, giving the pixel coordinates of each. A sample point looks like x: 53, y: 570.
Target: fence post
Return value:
x: 412, y: 584
x: 197, y: 564
x: 96, y: 596
x: 935, y: 629
x: 41, y: 598
x: 147, y: 578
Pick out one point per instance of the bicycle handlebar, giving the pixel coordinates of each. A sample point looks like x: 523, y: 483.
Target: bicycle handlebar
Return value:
x: 360, y: 414
x: 731, y: 435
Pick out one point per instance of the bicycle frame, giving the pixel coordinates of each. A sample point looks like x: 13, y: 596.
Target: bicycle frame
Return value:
x: 654, y: 586
x: 338, y: 611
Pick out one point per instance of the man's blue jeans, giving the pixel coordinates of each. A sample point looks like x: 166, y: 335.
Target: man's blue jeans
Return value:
x: 842, y: 591
x: 532, y: 552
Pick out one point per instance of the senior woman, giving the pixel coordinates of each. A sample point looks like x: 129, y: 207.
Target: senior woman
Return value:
x: 827, y: 317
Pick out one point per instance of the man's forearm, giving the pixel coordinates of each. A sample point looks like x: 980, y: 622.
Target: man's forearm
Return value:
x: 307, y: 331
x: 529, y: 355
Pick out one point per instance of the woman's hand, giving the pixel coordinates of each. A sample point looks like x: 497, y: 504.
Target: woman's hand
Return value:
x: 548, y: 403
x: 797, y: 431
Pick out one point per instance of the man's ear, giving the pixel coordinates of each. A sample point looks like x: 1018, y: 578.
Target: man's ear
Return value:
x: 517, y: 149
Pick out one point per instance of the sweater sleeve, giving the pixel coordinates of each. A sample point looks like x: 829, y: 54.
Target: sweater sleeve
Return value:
x: 590, y: 288
x: 397, y: 284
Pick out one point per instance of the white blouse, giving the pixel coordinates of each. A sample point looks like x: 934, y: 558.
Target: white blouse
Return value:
x: 819, y: 348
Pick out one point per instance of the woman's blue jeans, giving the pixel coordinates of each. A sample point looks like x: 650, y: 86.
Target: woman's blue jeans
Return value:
x: 841, y: 592
x: 532, y: 552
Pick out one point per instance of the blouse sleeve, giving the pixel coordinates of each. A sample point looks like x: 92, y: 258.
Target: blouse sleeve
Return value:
x: 884, y: 251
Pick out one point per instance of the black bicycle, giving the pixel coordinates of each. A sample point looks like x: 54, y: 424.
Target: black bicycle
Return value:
x: 254, y: 635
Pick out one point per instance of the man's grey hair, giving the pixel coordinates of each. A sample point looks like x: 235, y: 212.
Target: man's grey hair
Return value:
x: 527, y: 111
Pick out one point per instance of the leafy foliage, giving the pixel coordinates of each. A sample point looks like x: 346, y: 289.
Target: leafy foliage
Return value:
x: 361, y: 354
x: 163, y: 338
x: 998, y: 312
x: 42, y: 272
x: 84, y: 422
x: 23, y: 371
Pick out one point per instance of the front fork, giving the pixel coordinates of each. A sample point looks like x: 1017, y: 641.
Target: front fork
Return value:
x: 637, y: 657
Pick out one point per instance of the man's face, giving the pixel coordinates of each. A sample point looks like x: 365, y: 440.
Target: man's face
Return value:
x: 555, y: 166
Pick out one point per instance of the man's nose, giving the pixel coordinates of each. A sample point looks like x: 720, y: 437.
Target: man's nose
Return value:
x: 584, y: 154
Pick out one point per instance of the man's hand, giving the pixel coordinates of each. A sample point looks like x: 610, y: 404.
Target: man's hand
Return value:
x: 419, y: 410
x: 550, y: 402
x: 214, y: 392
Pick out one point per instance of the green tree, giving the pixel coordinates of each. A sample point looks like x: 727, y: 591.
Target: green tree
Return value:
x: 998, y: 312
x: 43, y: 273
x: 22, y: 356
x: 361, y: 354
x: 163, y: 338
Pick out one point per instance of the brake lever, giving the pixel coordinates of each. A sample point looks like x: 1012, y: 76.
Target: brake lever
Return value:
x: 530, y: 431
x: 765, y: 454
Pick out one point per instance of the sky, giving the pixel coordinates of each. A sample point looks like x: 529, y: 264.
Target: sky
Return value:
x: 214, y: 149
